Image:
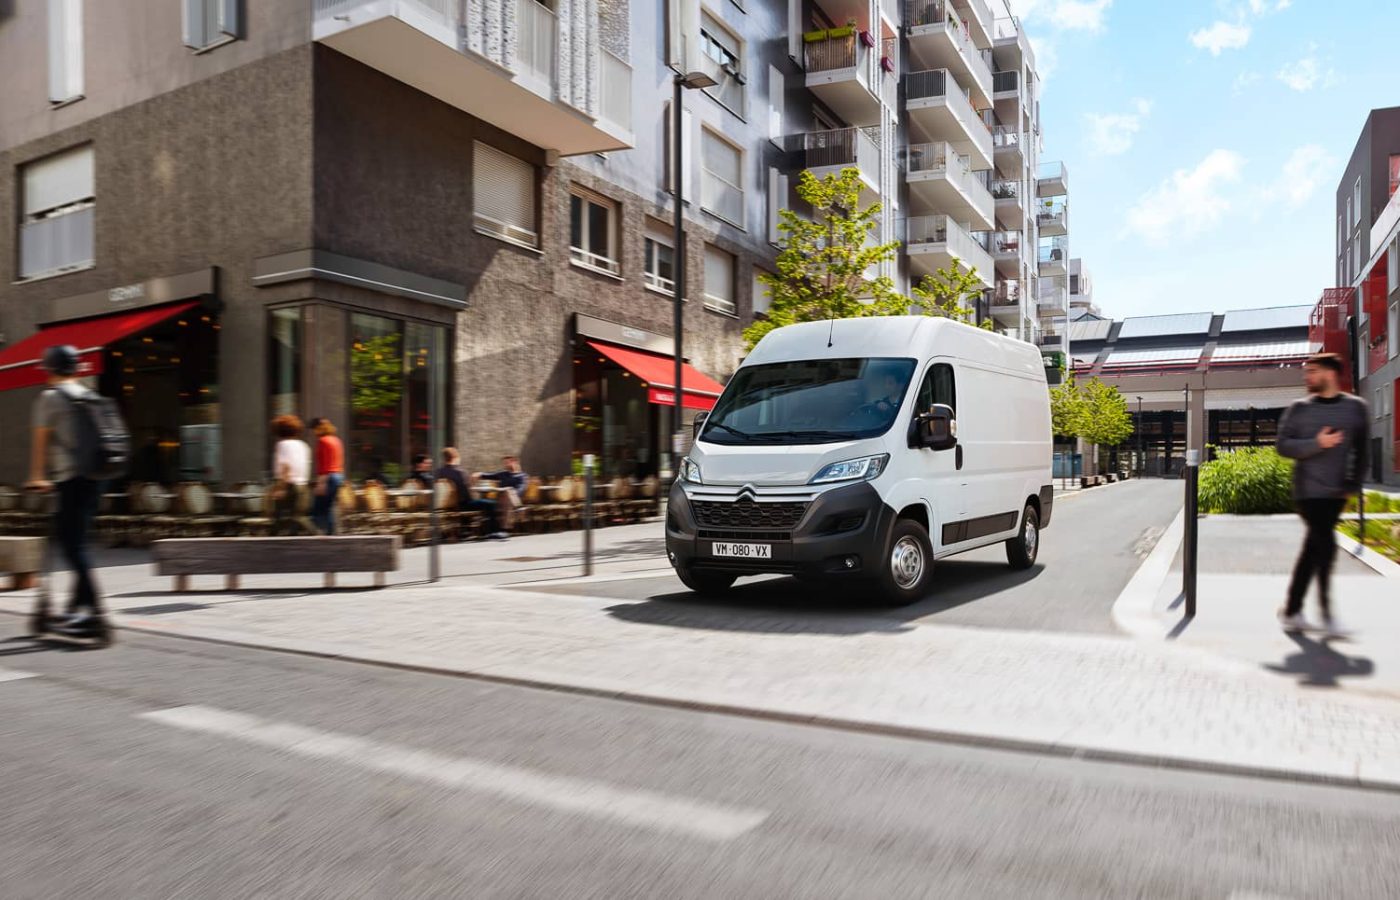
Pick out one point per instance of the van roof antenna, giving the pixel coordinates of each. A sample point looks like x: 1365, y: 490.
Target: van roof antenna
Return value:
x: 830, y: 330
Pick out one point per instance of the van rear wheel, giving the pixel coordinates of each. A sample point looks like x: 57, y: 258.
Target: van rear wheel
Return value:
x: 907, y: 568
x: 1022, y: 550
x: 708, y: 584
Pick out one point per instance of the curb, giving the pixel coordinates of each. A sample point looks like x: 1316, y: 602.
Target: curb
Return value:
x: 1377, y: 561
x: 1132, y: 611
x: 857, y: 726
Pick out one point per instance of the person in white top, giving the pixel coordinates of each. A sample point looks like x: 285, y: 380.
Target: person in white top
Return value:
x: 291, y: 470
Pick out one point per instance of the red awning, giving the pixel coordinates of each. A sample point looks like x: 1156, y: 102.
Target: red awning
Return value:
x: 19, y: 364
x: 658, y: 373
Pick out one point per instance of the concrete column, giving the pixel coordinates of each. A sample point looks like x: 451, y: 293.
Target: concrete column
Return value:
x: 1196, y: 423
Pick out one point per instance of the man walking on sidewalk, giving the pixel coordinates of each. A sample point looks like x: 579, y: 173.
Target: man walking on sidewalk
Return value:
x: 1327, y: 434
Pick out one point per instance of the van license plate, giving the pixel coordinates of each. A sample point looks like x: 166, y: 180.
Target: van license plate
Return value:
x: 743, y: 551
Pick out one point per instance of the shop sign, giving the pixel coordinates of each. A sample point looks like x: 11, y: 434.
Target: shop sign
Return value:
x: 152, y: 292
x: 127, y: 294
x: 625, y: 335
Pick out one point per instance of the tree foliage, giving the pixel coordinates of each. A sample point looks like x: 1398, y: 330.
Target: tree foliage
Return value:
x: 825, y: 265
x: 376, y: 373
x: 1105, y: 421
x: 1066, y: 409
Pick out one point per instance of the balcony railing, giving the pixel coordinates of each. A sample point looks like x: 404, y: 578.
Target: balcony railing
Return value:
x: 1005, y: 189
x: 1006, y: 243
x: 926, y: 12
x: 1053, y: 171
x: 1004, y: 82
x: 958, y: 242
x: 1054, y: 251
x: 940, y: 158
x: 56, y: 243
x: 1004, y: 138
x: 443, y: 12
x: 537, y: 39
x: 615, y: 97
x: 722, y: 198
x: 1006, y: 29
x: 1052, y: 292
x: 1052, y: 212
x: 834, y: 53
x: 1007, y: 293
x: 859, y: 147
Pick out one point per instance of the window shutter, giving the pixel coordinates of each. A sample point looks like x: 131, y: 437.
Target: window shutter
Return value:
x: 192, y: 24
x: 775, y: 103
x: 794, y: 29
x: 65, y: 50
x: 721, y: 158
x: 228, y: 17
x: 777, y: 200
x: 57, y: 181
x: 504, y: 195
x: 719, y: 275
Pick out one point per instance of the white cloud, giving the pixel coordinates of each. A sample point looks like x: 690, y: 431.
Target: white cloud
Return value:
x: 1047, y: 56
x: 1262, y: 7
x: 1307, y: 73
x: 1188, y: 203
x: 1221, y: 36
x: 1245, y: 80
x: 1112, y: 133
x: 1066, y: 15
x: 1306, y: 169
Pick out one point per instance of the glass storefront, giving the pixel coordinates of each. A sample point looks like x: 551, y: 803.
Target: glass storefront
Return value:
x: 615, y: 420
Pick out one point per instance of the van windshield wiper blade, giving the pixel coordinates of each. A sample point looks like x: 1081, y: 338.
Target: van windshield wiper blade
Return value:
x: 834, y: 435
x: 732, y: 430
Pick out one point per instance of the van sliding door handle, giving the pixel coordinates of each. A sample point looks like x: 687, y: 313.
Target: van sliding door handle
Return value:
x: 957, y: 456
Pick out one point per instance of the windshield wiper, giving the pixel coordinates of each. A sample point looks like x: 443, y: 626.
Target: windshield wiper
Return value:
x: 731, y: 429
x: 833, y: 435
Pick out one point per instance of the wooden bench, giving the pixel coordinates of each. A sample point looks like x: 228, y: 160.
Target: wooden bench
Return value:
x: 23, y: 558
x: 236, y: 556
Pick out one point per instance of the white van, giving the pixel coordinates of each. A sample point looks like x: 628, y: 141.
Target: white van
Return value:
x: 866, y: 448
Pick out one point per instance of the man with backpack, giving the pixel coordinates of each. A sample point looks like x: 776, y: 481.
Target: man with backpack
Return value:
x: 78, y: 441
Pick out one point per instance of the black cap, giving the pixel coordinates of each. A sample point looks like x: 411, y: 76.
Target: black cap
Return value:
x: 61, y: 359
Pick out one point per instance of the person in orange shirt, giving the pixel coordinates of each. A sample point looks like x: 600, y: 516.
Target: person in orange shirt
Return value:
x: 330, y: 474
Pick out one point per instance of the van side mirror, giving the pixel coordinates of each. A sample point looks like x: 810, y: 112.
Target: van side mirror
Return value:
x: 937, y: 429
x: 698, y: 424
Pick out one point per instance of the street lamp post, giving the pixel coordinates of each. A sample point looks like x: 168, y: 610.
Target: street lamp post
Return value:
x: 1142, y: 443
x: 681, y: 83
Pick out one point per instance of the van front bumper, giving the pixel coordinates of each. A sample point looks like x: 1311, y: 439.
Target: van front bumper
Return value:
x: 843, y: 531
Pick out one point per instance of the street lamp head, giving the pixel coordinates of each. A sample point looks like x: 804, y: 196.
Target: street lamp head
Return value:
x: 696, y: 80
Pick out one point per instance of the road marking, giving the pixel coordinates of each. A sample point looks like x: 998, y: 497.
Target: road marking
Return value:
x: 15, y: 675
x: 631, y: 807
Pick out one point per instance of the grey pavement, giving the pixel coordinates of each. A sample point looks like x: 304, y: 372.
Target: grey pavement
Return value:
x: 104, y: 798
x: 1096, y: 540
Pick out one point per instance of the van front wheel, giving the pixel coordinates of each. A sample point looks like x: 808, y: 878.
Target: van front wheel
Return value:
x: 1021, y: 550
x: 907, y: 569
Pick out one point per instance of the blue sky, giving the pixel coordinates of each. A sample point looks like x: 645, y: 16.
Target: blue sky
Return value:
x: 1205, y: 138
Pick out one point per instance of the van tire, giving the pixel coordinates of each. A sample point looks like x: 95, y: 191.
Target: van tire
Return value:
x: 707, y: 584
x: 1022, y: 550
x: 906, y: 568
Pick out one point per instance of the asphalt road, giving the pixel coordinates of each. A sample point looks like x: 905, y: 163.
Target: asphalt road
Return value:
x: 165, y: 768
x: 1095, y: 542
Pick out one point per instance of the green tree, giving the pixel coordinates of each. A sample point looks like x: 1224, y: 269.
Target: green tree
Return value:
x: 376, y: 373
x: 1066, y: 409
x: 824, y: 262
x: 951, y: 293
x: 1105, y: 421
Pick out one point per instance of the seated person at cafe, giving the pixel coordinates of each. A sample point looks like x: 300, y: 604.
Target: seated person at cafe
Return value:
x: 512, y: 480
x: 451, y: 470
x: 422, y: 472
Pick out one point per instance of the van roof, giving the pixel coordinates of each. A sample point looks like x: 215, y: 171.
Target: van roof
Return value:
x: 919, y: 337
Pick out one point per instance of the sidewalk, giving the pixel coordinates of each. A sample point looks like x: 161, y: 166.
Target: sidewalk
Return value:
x: 1102, y: 697
x: 1244, y: 565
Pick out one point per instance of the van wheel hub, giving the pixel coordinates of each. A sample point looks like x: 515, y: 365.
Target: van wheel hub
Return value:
x: 907, y: 562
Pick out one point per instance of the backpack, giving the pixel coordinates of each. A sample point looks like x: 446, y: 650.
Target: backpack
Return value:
x: 102, y: 444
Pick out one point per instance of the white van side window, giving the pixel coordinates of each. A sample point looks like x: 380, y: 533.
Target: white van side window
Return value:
x: 939, y: 386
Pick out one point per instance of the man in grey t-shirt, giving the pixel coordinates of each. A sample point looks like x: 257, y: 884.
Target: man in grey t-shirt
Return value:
x: 1327, y: 434
x: 53, y: 467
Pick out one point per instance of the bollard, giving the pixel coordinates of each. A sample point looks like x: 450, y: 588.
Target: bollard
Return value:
x: 588, y: 514
x: 435, y: 537
x: 1188, y: 557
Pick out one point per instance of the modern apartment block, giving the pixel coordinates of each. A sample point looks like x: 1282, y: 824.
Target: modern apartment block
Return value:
x: 1368, y: 282
x: 1081, y: 290
x: 450, y: 221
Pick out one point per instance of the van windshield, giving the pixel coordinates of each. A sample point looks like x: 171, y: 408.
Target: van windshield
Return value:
x: 813, y: 401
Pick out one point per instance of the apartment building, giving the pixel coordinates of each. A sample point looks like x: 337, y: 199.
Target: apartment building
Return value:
x: 450, y: 221
x: 1081, y: 290
x: 1367, y: 288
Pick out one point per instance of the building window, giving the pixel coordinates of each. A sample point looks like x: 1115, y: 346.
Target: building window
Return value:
x: 719, y: 280
x: 722, y: 167
x: 1356, y: 202
x: 65, y: 50
x: 762, y: 299
x: 209, y: 23
x: 776, y: 98
x: 660, y: 262
x: 56, y: 232
x: 593, y: 232
x: 1394, y: 347
x: 1341, y: 236
x: 398, y: 395
x: 721, y: 47
x: 285, y: 329
x: 503, y: 190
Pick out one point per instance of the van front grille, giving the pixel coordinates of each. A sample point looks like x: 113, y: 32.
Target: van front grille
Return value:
x: 744, y: 513
x: 715, y: 534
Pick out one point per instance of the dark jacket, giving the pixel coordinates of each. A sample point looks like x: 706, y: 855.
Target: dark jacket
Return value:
x: 1323, y: 474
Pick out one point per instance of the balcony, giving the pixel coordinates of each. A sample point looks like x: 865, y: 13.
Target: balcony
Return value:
x: 1051, y: 339
x: 1010, y: 204
x: 1052, y: 216
x: 1006, y: 94
x: 939, y: 39
x: 1006, y: 302
x: 829, y: 152
x: 1006, y: 250
x: 1054, y: 256
x: 978, y: 17
x: 939, y: 110
x: 942, y: 179
x: 844, y: 72
x: 1008, y: 148
x: 938, y: 242
x: 518, y: 69
x: 1052, y: 296
x: 1052, y: 180
x: 1009, y: 39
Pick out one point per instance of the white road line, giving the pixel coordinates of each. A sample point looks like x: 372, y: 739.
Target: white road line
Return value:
x: 631, y: 807
x: 15, y: 675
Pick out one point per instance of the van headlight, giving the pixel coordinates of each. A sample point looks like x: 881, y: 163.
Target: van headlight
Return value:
x: 690, y: 471
x: 862, y: 469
